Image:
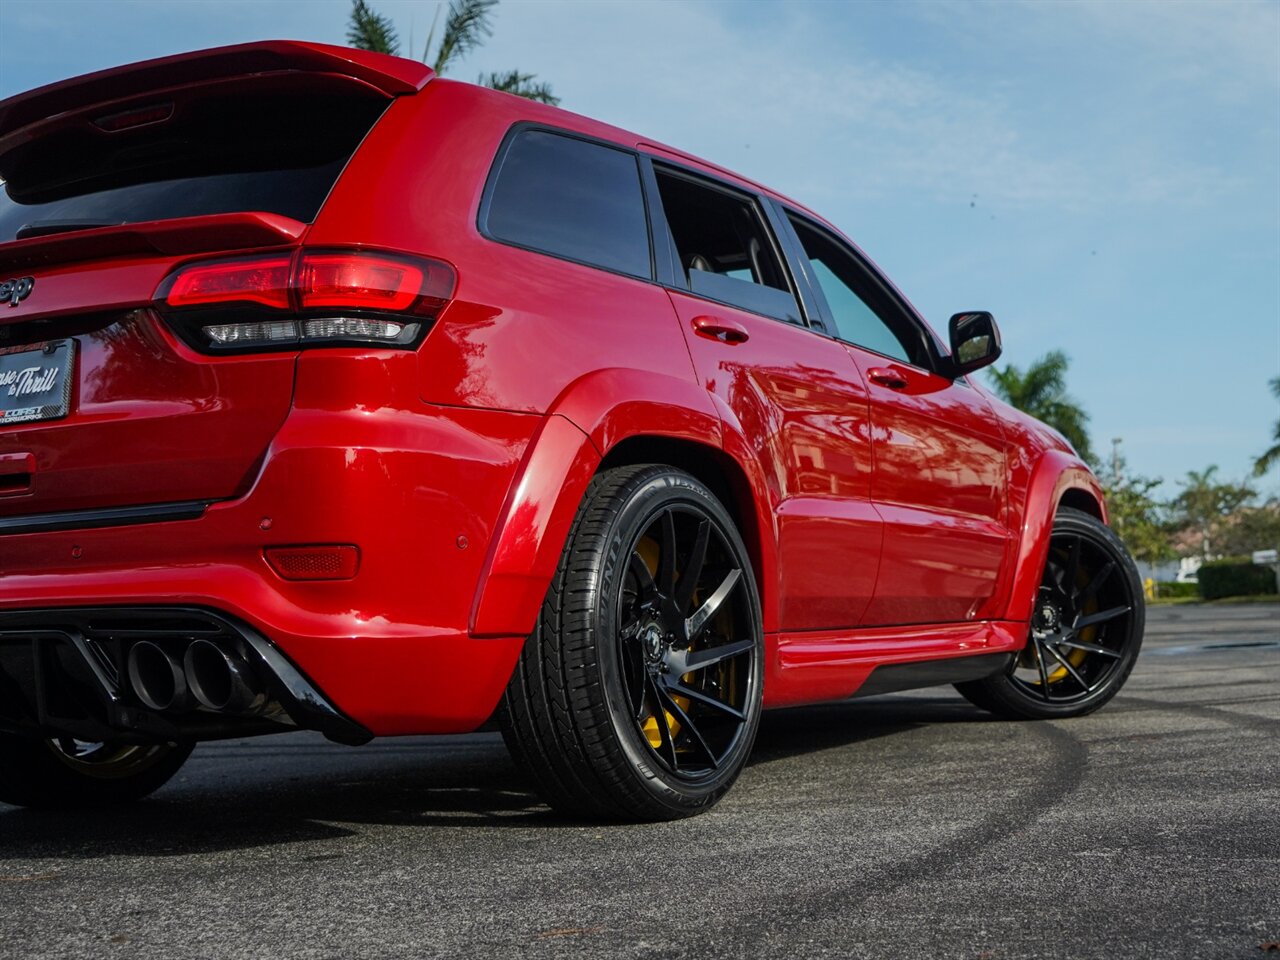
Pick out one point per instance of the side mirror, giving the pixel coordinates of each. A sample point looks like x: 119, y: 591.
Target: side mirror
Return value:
x: 975, y: 341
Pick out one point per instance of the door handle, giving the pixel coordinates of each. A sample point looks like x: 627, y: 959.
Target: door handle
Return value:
x: 889, y: 377
x: 716, y: 328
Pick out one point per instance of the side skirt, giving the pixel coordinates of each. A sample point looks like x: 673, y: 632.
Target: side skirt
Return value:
x: 893, y: 677
x: 823, y: 666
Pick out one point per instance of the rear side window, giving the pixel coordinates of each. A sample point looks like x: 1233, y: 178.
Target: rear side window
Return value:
x: 723, y: 247
x: 261, y: 148
x: 571, y: 198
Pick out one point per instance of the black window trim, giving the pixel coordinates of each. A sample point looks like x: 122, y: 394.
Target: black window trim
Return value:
x: 504, y: 148
x: 908, y: 316
x: 798, y: 264
x: 678, y: 280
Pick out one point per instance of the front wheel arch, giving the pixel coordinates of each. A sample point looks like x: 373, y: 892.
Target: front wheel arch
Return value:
x: 1085, y: 632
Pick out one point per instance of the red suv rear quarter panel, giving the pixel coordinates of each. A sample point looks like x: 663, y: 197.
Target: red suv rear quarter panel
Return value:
x: 523, y: 326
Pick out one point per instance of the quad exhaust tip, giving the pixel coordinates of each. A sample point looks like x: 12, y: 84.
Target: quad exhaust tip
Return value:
x: 157, y: 678
x: 222, y: 681
x: 207, y: 676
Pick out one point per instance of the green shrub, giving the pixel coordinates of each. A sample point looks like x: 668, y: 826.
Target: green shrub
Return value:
x: 1170, y: 589
x: 1236, y: 577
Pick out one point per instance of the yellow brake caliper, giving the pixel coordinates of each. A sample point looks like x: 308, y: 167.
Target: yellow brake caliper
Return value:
x: 648, y: 550
x: 1076, y: 657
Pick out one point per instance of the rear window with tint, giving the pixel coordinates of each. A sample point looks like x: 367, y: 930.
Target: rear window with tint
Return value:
x: 270, y: 150
x: 573, y: 199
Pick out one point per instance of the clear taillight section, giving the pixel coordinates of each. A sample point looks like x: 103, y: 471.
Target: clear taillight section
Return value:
x: 325, y: 296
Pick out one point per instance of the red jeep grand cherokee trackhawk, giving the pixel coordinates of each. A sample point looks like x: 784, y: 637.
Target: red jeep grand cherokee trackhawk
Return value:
x: 337, y: 396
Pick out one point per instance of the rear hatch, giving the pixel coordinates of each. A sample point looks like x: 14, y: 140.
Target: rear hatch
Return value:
x: 110, y: 182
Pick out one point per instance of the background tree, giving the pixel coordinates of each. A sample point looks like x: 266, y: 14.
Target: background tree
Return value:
x: 1042, y: 392
x: 1250, y: 528
x: 466, y: 26
x: 1272, y: 456
x: 1204, y: 506
x: 1137, y: 517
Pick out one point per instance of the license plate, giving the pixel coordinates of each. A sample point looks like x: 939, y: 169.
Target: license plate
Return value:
x: 36, y: 384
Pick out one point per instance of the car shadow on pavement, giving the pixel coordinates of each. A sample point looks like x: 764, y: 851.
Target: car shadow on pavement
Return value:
x: 246, y: 795
x: 797, y: 731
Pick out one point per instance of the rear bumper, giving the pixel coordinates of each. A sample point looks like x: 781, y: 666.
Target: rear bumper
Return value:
x: 419, y: 493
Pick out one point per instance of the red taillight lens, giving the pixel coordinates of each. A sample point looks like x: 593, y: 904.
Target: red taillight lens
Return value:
x: 358, y: 281
x: 261, y: 280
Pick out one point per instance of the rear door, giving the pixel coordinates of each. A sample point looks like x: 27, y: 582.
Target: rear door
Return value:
x: 794, y: 394
x: 939, y: 478
x: 102, y: 403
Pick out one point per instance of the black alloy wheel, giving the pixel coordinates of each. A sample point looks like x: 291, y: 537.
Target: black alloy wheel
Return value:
x: 639, y: 694
x: 1085, y: 633
x: 686, y: 669
x: 74, y: 774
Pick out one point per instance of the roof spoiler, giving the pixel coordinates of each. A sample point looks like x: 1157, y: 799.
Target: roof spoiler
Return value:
x: 394, y: 76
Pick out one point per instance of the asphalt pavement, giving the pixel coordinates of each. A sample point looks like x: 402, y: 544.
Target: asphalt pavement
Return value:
x: 910, y: 825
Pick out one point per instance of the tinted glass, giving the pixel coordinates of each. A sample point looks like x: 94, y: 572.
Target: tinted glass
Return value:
x: 216, y: 155
x: 573, y: 199
x: 847, y: 289
x: 724, y: 247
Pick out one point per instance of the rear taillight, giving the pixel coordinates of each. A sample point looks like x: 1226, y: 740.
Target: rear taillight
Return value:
x: 262, y: 280
x: 325, y: 296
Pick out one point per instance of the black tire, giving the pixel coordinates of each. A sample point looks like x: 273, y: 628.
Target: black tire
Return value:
x: 614, y: 710
x: 1086, y: 629
x: 67, y: 774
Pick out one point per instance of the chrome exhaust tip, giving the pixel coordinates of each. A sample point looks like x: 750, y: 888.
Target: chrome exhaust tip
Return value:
x: 156, y: 677
x: 223, y: 682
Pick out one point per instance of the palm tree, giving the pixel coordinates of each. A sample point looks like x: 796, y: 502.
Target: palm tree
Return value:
x: 1204, y: 504
x: 1042, y: 392
x: 465, y: 27
x: 1272, y: 456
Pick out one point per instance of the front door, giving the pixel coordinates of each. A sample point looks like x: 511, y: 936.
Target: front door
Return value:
x: 939, y: 478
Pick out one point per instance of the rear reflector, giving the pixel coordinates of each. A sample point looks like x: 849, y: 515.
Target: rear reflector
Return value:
x: 314, y: 561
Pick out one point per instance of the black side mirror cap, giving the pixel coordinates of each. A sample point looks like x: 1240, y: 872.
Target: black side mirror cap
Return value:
x: 975, y: 342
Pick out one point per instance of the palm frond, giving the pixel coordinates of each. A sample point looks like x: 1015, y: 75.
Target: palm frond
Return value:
x: 1272, y: 456
x: 431, y: 34
x: 369, y: 30
x: 465, y: 28
x: 1267, y: 460
x: 521, y: 84
x: 1041, y: 390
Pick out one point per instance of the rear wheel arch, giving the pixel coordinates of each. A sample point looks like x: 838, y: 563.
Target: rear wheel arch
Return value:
x: 721, y: 474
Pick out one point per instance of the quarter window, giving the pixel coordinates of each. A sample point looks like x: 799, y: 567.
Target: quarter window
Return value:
x: 573, y: 199
x: 850, y: 294
x: 724, y: 248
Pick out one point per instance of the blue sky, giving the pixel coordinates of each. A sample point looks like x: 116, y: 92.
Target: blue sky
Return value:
x: 1104, y: 177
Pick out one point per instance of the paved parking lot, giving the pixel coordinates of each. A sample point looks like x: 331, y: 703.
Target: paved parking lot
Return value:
x: 904, y: 826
